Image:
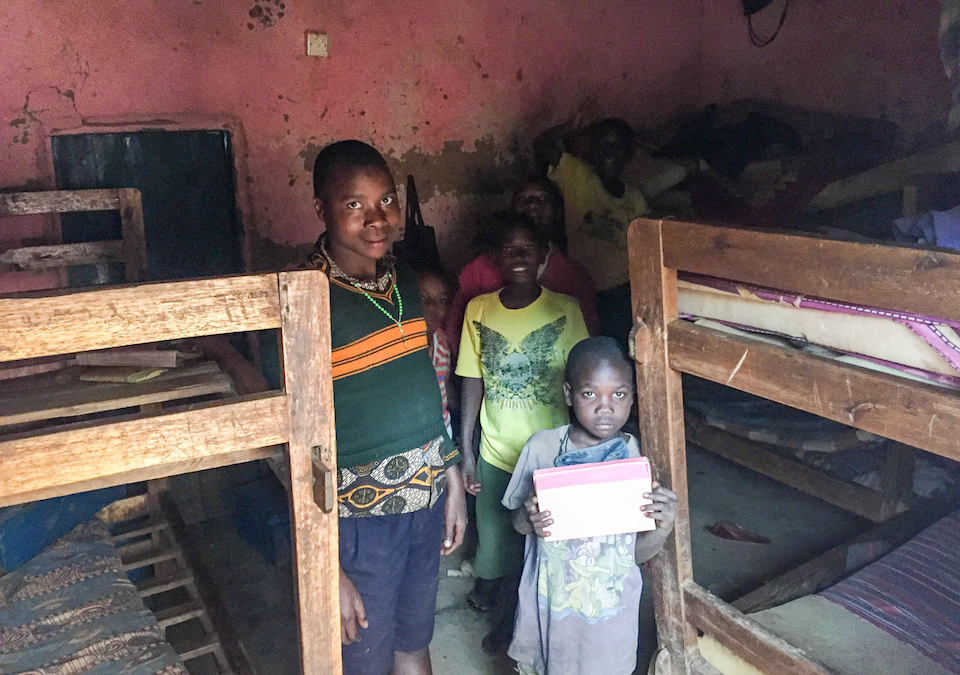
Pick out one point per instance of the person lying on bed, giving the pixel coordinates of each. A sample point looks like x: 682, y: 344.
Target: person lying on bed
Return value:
x: 579, y: 599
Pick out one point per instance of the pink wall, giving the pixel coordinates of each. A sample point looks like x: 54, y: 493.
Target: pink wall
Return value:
x: 448, y: 90
x: 866, y: 57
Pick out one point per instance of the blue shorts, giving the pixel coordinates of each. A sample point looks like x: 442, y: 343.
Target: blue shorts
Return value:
x: 394, y: 561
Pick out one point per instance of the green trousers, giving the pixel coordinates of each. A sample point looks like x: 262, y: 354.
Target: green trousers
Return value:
x: 500, y: 547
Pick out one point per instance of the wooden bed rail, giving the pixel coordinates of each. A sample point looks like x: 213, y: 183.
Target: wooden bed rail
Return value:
x: 914, y: 413
x: 919, y: 281
x: 68, y: 322
x: 130, y: 249
x: 84, y: 456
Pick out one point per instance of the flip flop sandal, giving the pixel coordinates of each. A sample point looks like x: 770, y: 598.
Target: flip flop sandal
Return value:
x: 734, y: 532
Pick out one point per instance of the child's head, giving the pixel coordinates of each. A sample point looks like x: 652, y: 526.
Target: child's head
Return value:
x: 611, y: 147
x: 520, y: 247
x: 540, y: 200
x: 599, y: 387
x: 356, y: 198
x: 436, y: 291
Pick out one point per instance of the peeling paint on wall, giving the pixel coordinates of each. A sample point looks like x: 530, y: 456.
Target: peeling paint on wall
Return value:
x: 266, y: 13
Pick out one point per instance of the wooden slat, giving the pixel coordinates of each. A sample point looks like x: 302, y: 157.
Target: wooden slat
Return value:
x: 79, y: 401
x: 58, y: 201
x: 917, y: 414
x: 179, y: 613
x: 309, y: 384
x: 661, y: 427
x: 191, y: 649
x: 109, y: 454
x: 877, y: 275
x: 761, y: 458
x: 134, y: 239
x: 83, y: 321
x: 162, y: 584
x: 746, y: 638
x: 37, y: 258
x: 843, y: 560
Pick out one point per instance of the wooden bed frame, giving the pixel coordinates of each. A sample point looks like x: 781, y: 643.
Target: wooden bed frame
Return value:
x: 131, y: 249
x: 148, y: 445
x: 920, y: 415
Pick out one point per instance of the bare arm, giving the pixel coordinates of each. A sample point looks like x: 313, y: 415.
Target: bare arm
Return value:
x: 663, y: 509
x: 471, y: 396
x: 549, y: 145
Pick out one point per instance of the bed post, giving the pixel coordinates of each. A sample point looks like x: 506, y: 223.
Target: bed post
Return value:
x: 660, y: 402
x: 305, y: 311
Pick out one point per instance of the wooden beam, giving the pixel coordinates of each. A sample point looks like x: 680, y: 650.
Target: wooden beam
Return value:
x: 38, y: 258
x: 62, y: 323
x: 761, y: 458
x: 134, y: 240
x: 85, y: 400
x: 111, y: 453
x: 920, y: 415
x: 57, y: 201
x: 654, y: 290
x: 305, y: 344
x: 876, y: 275
x: 843, y: 560
x: 745, y: 637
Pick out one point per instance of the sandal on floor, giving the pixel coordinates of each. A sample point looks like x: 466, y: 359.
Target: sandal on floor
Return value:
x: 483, y: 597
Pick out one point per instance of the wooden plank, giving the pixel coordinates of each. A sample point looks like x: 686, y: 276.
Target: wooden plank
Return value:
x: 843, y: 560
x: 112, y: 453
x: 305, y: 344
x: 181, y: 613
x: 58, y: 201
x: 134, y: 239
x: 762, y: 458
x: 62, y: 323
x: 913, y: 280
x: 38, y: 258
x: 654, y: 290
x: 137, y: 475
x: 889, y: 177
x: 157, y: 358
x: 80, y: 401
x: 920, y: 415
x: 162, y: 584
x: 746, y: 638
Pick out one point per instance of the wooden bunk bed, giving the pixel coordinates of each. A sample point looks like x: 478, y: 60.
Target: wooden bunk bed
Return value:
x: 916, y: 414
x: 151, y: 444
x: 130, y: 249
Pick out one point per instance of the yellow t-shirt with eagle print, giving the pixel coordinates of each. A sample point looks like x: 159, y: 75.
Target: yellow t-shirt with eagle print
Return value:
x: 520, y: 354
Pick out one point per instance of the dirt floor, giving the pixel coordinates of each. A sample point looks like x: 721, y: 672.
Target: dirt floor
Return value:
x: 258, y: 595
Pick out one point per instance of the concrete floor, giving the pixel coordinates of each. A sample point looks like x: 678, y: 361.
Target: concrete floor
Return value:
x: 258, y: 596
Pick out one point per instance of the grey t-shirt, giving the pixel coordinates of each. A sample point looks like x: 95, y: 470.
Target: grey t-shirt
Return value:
x: 579, y: 600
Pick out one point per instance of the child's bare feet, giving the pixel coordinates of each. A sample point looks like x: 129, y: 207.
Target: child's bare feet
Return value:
x: 483, y: 597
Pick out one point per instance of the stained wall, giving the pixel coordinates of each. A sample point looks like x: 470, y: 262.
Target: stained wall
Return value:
x: 450, y: 91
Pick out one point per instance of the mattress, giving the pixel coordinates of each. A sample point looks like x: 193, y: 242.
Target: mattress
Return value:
x: 897, y: 616
x: 71, y: 609
x: 912, y: 345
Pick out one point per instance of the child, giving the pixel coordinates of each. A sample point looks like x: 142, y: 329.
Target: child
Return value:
x: 513, y: 348
x: 435, y: 294
x: 579, y: 598
x: 540, y: 200
x: 400, y: 493
x: 599, y: 207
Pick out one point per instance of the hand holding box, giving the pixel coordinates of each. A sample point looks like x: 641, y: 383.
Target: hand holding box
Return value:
x: 591, y: 500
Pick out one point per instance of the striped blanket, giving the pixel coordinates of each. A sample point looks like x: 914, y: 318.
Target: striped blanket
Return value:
x: 913, y: 593
x: 71, y: 610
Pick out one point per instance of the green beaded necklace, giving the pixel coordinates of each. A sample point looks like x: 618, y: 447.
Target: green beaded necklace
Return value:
x: 396, y: 290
